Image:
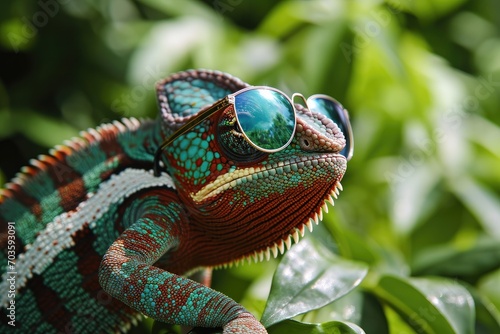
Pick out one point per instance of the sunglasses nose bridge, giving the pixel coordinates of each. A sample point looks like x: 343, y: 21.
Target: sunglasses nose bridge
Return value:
x: 299, y: 96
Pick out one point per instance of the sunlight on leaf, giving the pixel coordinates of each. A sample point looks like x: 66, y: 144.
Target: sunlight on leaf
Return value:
x: 489, y: 286
x: 485, y: 133
x: 411, y: 194
x: 358, y: 307
x: 432, y: 305
x: 181, y: 8
x: 309, y: 277
x: 168, y: 45
x: 295, y: 327
x: 289, y: 15
x: 428, y: 9
x: 44, y: 130
x: 448, y: 260
x: 482, y: 202
x: 487, y: 314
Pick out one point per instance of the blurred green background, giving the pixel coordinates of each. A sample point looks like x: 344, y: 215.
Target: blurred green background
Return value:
x: 421, y: 80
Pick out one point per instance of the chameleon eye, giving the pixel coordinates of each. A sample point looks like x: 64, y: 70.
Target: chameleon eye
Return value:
x: 232, y: 141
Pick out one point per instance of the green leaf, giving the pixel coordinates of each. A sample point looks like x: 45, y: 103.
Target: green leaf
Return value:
x: 482, y: 203
x: 355, y: 247
x: 427, y: 9
x: 446, y: 260
x: 430, y: 305
x: 358, y: 307
x: 309, y: 277
x: 373, y: 318
x: 183, y: 8
x: 163, y: 328
x: 487, y: 315
x: 288, y: 16
x: 488, y: 285
x: 5, y: 123
x: 295, y: 327
x: 43, y: 130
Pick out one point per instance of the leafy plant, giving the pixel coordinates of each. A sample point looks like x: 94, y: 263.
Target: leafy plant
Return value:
x: 412, y: 245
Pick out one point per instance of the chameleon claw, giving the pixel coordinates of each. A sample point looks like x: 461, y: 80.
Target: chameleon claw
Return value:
x: 245, y: 323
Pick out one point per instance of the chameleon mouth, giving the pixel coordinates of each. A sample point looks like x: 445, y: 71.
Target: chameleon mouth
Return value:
x: 239, y: 176
x: 293, y: 237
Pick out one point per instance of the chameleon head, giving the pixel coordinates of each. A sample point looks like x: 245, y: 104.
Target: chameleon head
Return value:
x: 253, y: 202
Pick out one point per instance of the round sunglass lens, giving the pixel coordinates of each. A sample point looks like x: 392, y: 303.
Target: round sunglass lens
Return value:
x: 334, y: 111
x: 266, y: 117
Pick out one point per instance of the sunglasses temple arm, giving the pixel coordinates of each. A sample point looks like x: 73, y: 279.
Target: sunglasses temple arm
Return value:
x: 200, y: 117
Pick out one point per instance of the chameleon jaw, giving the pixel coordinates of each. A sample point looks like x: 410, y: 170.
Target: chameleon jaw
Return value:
x: 231, y: 180
x: 293, y: 237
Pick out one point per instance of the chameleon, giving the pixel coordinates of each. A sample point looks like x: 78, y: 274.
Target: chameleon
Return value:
x: 115, y: 224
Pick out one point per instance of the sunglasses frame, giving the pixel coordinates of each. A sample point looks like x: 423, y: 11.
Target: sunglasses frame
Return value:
x: 344, y: 117
x: 230, y: 100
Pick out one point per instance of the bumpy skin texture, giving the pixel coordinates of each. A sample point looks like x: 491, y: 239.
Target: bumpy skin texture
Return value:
x: 99, y: 239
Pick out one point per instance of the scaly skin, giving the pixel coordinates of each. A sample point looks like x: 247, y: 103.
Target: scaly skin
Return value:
x: 100, y: 239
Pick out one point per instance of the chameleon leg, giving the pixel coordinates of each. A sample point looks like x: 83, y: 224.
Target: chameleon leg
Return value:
x: 127, y: 273
x: 203, y: 276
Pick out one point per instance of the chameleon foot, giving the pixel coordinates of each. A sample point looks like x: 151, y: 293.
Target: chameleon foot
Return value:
x: 244, y: 324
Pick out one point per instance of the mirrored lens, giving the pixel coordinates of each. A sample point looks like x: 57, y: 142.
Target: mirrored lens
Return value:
x: 333, y: 110
x: 266, y: 117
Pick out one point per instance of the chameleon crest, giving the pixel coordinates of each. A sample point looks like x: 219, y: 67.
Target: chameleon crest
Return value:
x: 108, y: 225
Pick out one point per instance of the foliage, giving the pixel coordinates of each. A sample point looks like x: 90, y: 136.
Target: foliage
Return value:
x: 421, y: 207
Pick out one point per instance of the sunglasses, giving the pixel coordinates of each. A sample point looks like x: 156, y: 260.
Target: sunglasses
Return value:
x: 267, y: 119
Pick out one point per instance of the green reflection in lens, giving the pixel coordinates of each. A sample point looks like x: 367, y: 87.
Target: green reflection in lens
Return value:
x: 266, y: 117
x: 335, y: 112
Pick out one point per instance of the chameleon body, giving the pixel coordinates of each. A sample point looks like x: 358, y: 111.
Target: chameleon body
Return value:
x: 100, y: 240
